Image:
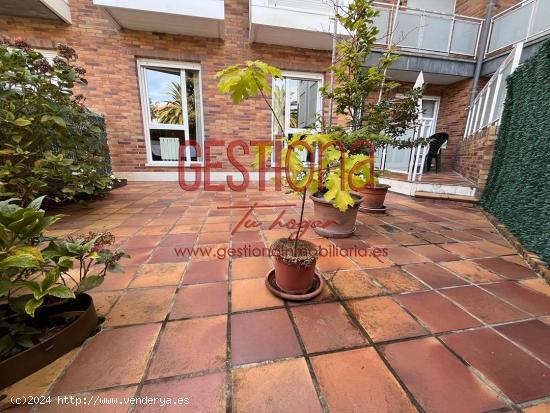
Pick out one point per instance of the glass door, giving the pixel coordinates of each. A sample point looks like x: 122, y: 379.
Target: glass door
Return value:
x: 297, y: 104
x: 398, y: 160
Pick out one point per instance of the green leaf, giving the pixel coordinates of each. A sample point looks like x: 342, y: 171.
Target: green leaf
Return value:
x: 36, y: 203
x: 22, y: 122
x: 61, y: 291
x: 59, y: 120
x: 20, y: 261
x: 90, y: 282
x: 32, y: 305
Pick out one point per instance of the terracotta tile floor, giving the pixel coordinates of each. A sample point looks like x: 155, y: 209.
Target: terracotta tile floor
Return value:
x: 452, y: 320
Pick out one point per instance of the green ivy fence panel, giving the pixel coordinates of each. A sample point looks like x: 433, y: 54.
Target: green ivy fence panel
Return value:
x: 518, y: 189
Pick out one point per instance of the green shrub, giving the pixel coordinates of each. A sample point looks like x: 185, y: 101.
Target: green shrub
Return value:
x: 50, y: 144
x: 37, y: 270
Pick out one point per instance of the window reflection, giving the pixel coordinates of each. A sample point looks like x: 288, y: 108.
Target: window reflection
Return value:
x: 164, y: 95
x: 303, y: 103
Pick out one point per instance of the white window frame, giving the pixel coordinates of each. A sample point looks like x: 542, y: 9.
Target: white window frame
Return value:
x: 142, y: 65
x: 287, y: 75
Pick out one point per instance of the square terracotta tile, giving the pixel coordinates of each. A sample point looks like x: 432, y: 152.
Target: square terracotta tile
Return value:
x: 537, y: 284
x: 108, y: 352
x: 190, y: 346
x: 275, y: 387
x: 465, y: 250
x: 439, y: 380
x: 206, y: 271
x: 534, y: 335
x: 459, y: 235
x: 506, y: 268
x: 434, y: 275
x: 252, y: 294
x: 395, y: 280
x: 261, y: 336
x: 151, y: 275
x: 373, y: 260
x: 404, y: 255
x: 524, y: 298
x: 118, y: 280
x: 434, y: 253
x: 121, y: 394
x: 220, y: 227
x: 252, y: 267
x: 359, y: 381
x: 205, y: 394
x: 137, y: 255
x: 143, y: 241
x: 543, y: 407
x: 384, y: 319
x: 154, y: 230
x: 314, y: 321
x: 436, y: 312
x: 144, y: 305
x: 169, y: 254
x: 213, y: 238
x: 470, y: 271
x: 104, y: 301
x: 179, y: 240
x: 334, y: 263
x: 520, y: 376
x: 200, y: 300
x: 483, y: 305
x: 353, y: 284
x: 493, y: 248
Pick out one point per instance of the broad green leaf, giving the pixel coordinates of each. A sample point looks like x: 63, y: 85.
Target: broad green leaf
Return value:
x: 90, y: 282
x: 61, y: 291
x: 19, y: 261
x: 22, y: 122
x: 32, y: 305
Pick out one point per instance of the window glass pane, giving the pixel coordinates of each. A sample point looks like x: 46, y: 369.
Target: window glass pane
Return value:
x: 490, y: 98
x: 510, y: 28
x: 436, y: 33
x: 502, y: 92
x: 541, y: 18
x: 428, y: 108
x: 445, y: 6
x: 164, y: 95
x: 303, y: 103
x: 279, y: 97
x: 165, y: 144
x: 192, y: 86
x: 407, y: 29
x: 382, y: 22
x: 464, y: 37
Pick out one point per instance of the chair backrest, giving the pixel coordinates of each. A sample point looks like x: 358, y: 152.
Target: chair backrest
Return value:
x: 437, y: 141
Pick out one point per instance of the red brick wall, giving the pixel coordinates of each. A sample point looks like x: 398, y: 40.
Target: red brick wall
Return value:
x: 475, y: 154
x: 110, y: 54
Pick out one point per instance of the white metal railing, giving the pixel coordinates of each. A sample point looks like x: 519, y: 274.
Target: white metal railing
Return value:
x: 522, y: 22
x: 415, y: 29
x: 489, y: 103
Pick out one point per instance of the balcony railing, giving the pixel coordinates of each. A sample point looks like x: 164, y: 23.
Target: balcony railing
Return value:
x: 520, y: 23
x: 429, y: 32
x: 414, y: 29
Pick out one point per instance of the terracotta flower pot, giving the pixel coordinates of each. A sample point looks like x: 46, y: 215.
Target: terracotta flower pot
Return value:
x: 294, y: 272
x: 343, y: 222
x: 373, y: 199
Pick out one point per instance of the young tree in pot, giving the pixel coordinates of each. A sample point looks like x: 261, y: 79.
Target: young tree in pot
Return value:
x: 338, y: 171
x: 365, y: 95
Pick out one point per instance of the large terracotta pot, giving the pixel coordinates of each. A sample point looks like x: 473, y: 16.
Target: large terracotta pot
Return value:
x: 344, y: 222
x: 294, y: 275
x: 373, y: 199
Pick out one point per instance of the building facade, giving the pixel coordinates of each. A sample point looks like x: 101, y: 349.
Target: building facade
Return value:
x: 151, y: 68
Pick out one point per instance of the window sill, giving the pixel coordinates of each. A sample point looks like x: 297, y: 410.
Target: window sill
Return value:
x: 172, y: 164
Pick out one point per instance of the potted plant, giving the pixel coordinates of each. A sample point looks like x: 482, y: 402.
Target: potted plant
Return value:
x: 366, y: 96
x: 333, y: 179
x: 44, y: 308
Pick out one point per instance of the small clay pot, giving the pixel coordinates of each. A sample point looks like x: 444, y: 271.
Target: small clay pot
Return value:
x: 294, y: 275
x: 344, y: 222
x: 373, y: 198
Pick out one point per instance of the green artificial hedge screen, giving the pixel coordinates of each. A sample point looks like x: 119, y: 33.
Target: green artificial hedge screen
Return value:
x: 518, y: 189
